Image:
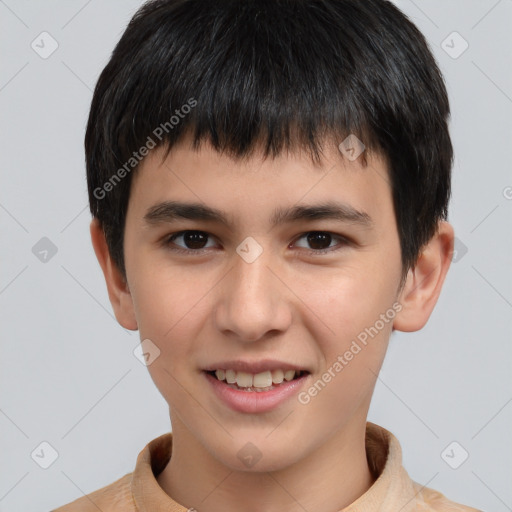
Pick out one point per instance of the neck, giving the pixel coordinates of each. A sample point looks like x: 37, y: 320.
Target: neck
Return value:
x: 331, y: 477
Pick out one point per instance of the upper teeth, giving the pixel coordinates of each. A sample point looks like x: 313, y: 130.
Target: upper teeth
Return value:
x: 258, y: 380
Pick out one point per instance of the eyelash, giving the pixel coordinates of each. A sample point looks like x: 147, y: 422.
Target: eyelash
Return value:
x: 197, y: 252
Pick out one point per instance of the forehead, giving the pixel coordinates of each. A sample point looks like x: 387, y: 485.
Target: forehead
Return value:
x: 229, y: 189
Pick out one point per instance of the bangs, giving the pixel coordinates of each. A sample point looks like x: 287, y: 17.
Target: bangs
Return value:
x: 251, y: 90
x: 273, y: 76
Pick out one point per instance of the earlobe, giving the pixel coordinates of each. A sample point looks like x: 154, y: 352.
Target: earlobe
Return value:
x: 425, y: 281
x: 118, y: 291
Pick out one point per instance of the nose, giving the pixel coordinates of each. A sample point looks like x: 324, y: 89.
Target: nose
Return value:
x: 252, y: 300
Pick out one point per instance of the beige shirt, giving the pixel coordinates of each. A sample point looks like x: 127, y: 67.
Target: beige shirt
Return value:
x: 392, y: 491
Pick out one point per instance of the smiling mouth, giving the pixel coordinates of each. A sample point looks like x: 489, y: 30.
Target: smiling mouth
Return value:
x: 264, y: 381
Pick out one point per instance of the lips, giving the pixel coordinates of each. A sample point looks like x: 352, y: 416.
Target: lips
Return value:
x: 253, y: 400
x: 255, y: 367
x: 255, y: 375
x: 261, y: 380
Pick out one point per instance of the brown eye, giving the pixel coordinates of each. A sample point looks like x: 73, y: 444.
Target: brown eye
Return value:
x: 319, y: 242
x: 192, y: 240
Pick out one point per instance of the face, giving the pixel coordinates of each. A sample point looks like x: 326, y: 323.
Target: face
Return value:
x: 268, y: 286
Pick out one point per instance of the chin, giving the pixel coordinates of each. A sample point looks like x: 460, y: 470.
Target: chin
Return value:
x: 248, y: 454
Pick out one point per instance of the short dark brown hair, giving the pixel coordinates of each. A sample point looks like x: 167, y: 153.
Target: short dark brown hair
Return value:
x: 273, y: 74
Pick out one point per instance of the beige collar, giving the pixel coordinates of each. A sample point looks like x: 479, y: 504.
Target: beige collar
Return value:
x: 393, y: 490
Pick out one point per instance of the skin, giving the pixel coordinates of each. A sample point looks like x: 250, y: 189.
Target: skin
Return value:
x: 288, y: 304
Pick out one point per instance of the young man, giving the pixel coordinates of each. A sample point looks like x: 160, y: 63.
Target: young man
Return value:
x: 269, y: 182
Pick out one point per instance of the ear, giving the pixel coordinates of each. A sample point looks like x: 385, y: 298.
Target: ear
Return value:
x: 118, y: 292
x: 424, y: 282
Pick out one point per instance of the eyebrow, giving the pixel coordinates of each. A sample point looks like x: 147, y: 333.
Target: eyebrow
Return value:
x: 169, y: 211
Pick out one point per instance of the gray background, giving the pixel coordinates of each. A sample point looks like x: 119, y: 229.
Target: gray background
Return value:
x: 68, y: 374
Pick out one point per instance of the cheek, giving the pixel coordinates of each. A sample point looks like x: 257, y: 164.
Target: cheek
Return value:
x: 358, y: 309
x: 164, y: 302
x: 361, y: 318
x: 349, y: 302
x: 161, y: 294
x: 173, y: 309
x: 169, y: 313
